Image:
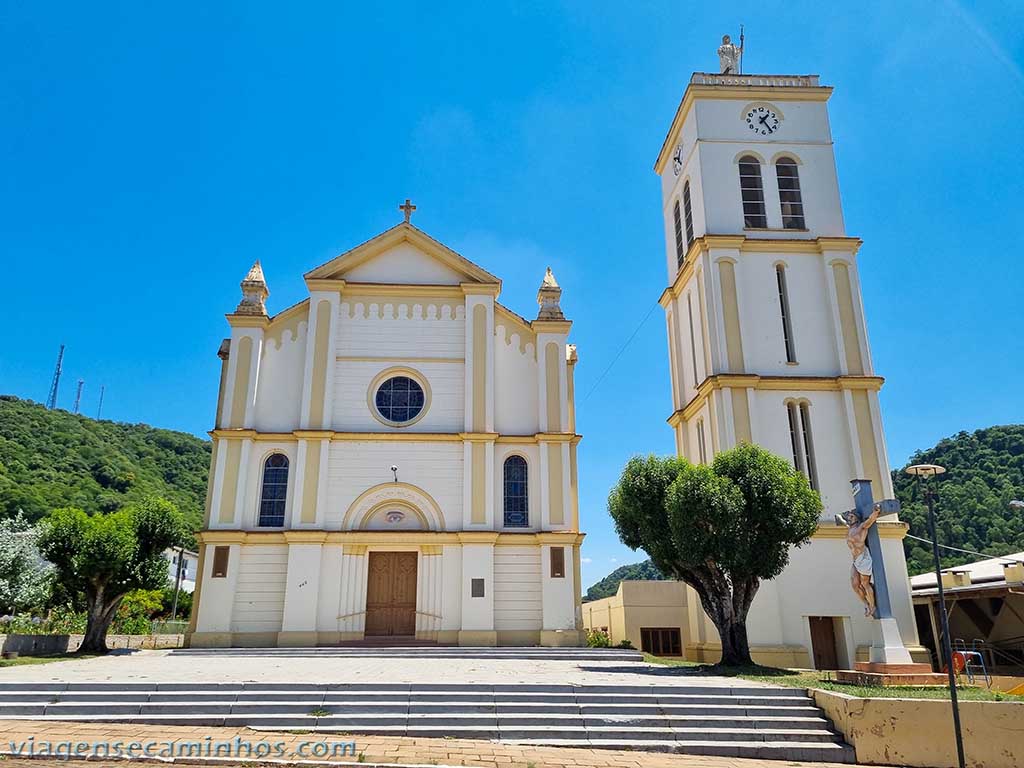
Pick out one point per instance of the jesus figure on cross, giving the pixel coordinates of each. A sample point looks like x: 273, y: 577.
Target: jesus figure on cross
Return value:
x: 856, y: 540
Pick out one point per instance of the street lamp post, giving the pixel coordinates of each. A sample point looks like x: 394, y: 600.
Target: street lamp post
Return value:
x: 929, y: 472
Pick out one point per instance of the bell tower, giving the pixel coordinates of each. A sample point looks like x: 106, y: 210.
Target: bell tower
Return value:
x: 767, y: 337
x: 768, y: 344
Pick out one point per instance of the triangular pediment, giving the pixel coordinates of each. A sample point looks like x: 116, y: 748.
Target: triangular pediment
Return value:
x: 402, y: 255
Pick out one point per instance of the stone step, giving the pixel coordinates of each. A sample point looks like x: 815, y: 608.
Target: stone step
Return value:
x: 460, y: 700
x: 439, y: 690
x: 808, y: 719
x: 784, y: 750
x: 11, y: 710
x: 403, y: 651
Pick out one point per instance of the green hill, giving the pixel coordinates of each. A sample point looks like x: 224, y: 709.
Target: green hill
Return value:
x: 52, y: 459
x: 607, y: 586
x: 984, y: 472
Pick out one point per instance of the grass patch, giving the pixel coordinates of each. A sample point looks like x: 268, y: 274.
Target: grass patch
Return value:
x: 23, y: 661
x: 823, y: 680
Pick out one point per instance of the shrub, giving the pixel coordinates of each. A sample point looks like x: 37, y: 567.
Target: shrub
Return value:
x: 597, y: 638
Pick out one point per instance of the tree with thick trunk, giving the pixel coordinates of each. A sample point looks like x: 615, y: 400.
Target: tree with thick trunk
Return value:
x: 721, y: 528
x: 104, y: 557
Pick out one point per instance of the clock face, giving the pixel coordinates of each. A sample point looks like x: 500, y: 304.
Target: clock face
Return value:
x: 677, y: 159
x: 762, y: 120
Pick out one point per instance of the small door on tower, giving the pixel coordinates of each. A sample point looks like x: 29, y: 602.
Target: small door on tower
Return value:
x: 823, y: 642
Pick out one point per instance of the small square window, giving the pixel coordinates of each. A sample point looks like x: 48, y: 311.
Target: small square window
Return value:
x: 558, y: 562
x: 476, y: 587
x: 220, y: 562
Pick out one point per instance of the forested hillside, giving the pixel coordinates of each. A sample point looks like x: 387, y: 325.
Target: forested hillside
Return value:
x: 984, y: 473
x: 608, y: 586
x: 51, y: 459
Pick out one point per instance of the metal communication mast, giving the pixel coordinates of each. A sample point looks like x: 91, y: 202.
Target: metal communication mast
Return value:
x: 78, y: 395
x: 99, y: 408
x: 51, y: 401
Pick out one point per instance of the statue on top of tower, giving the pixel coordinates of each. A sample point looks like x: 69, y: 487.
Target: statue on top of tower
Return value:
x: 729, y: 55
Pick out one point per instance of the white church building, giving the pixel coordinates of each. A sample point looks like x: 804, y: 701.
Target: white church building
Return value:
x: 394, y: 459
x: 768, y: 344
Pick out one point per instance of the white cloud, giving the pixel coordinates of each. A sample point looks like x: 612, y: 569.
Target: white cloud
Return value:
x: 586, y: 560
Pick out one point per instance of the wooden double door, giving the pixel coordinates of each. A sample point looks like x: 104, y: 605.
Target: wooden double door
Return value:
x: 391, y: 594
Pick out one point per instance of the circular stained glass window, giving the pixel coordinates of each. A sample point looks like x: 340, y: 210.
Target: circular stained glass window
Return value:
x: 400, y: 399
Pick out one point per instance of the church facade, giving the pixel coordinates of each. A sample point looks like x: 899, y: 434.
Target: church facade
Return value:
x: 394, y: 458
x: 768, y: 344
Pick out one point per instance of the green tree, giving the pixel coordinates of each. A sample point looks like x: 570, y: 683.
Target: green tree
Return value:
x: 721, y: 528
x: 24, y: 575
x: 104, y: 557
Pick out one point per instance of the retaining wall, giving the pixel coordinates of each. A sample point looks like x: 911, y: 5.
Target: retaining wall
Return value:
x: 45, y: 645
x: 919, y: 732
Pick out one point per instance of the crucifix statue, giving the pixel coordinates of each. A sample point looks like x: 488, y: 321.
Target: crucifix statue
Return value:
x: 407, y: 209
x: 867, y: 576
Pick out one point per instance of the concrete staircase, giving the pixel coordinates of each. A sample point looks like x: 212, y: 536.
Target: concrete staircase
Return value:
x: 758, y: 722
x: 397, y: 648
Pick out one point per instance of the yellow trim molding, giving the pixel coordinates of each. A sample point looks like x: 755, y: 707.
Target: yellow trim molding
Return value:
x: 248, y: 321
x: 887, y: 529
x: 703, y: 245
x: 420, y: 437
x: 355, y: 539
x: 480, y: 289
x: 551, y: 326
x: 305, y: 537
x: 773, y: 383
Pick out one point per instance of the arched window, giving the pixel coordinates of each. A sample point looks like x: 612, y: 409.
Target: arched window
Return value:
x: 274, y: 491
x: 787, y: 324
x: 802, y: 442
x: 752, y: 192
x: 517, y: 513
x: 678, y: 225
x: 789, y: 193
x: 702, y: 449
x: 688, y: 215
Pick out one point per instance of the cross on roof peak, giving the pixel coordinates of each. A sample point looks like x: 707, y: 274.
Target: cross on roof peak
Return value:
x: 407, y: 209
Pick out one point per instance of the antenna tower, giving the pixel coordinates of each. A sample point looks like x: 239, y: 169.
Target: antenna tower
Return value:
x: 51, y: 401
x: 99, y: 408
x: 78, y: 395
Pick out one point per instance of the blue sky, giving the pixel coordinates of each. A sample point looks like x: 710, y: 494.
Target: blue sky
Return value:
x: 148, y: 155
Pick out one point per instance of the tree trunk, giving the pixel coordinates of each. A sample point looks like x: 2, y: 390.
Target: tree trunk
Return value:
x: 727, y: 605
x: 100, y: 613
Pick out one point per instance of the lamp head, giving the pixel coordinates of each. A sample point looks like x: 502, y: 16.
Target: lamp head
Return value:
x: 925, y: 470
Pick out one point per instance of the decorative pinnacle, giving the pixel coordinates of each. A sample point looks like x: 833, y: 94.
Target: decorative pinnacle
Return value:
x: 254, y: 293
x: 548, y: 298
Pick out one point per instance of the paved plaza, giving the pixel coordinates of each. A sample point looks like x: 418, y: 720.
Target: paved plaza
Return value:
x: 344, y: 665
x: 372, y: 750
